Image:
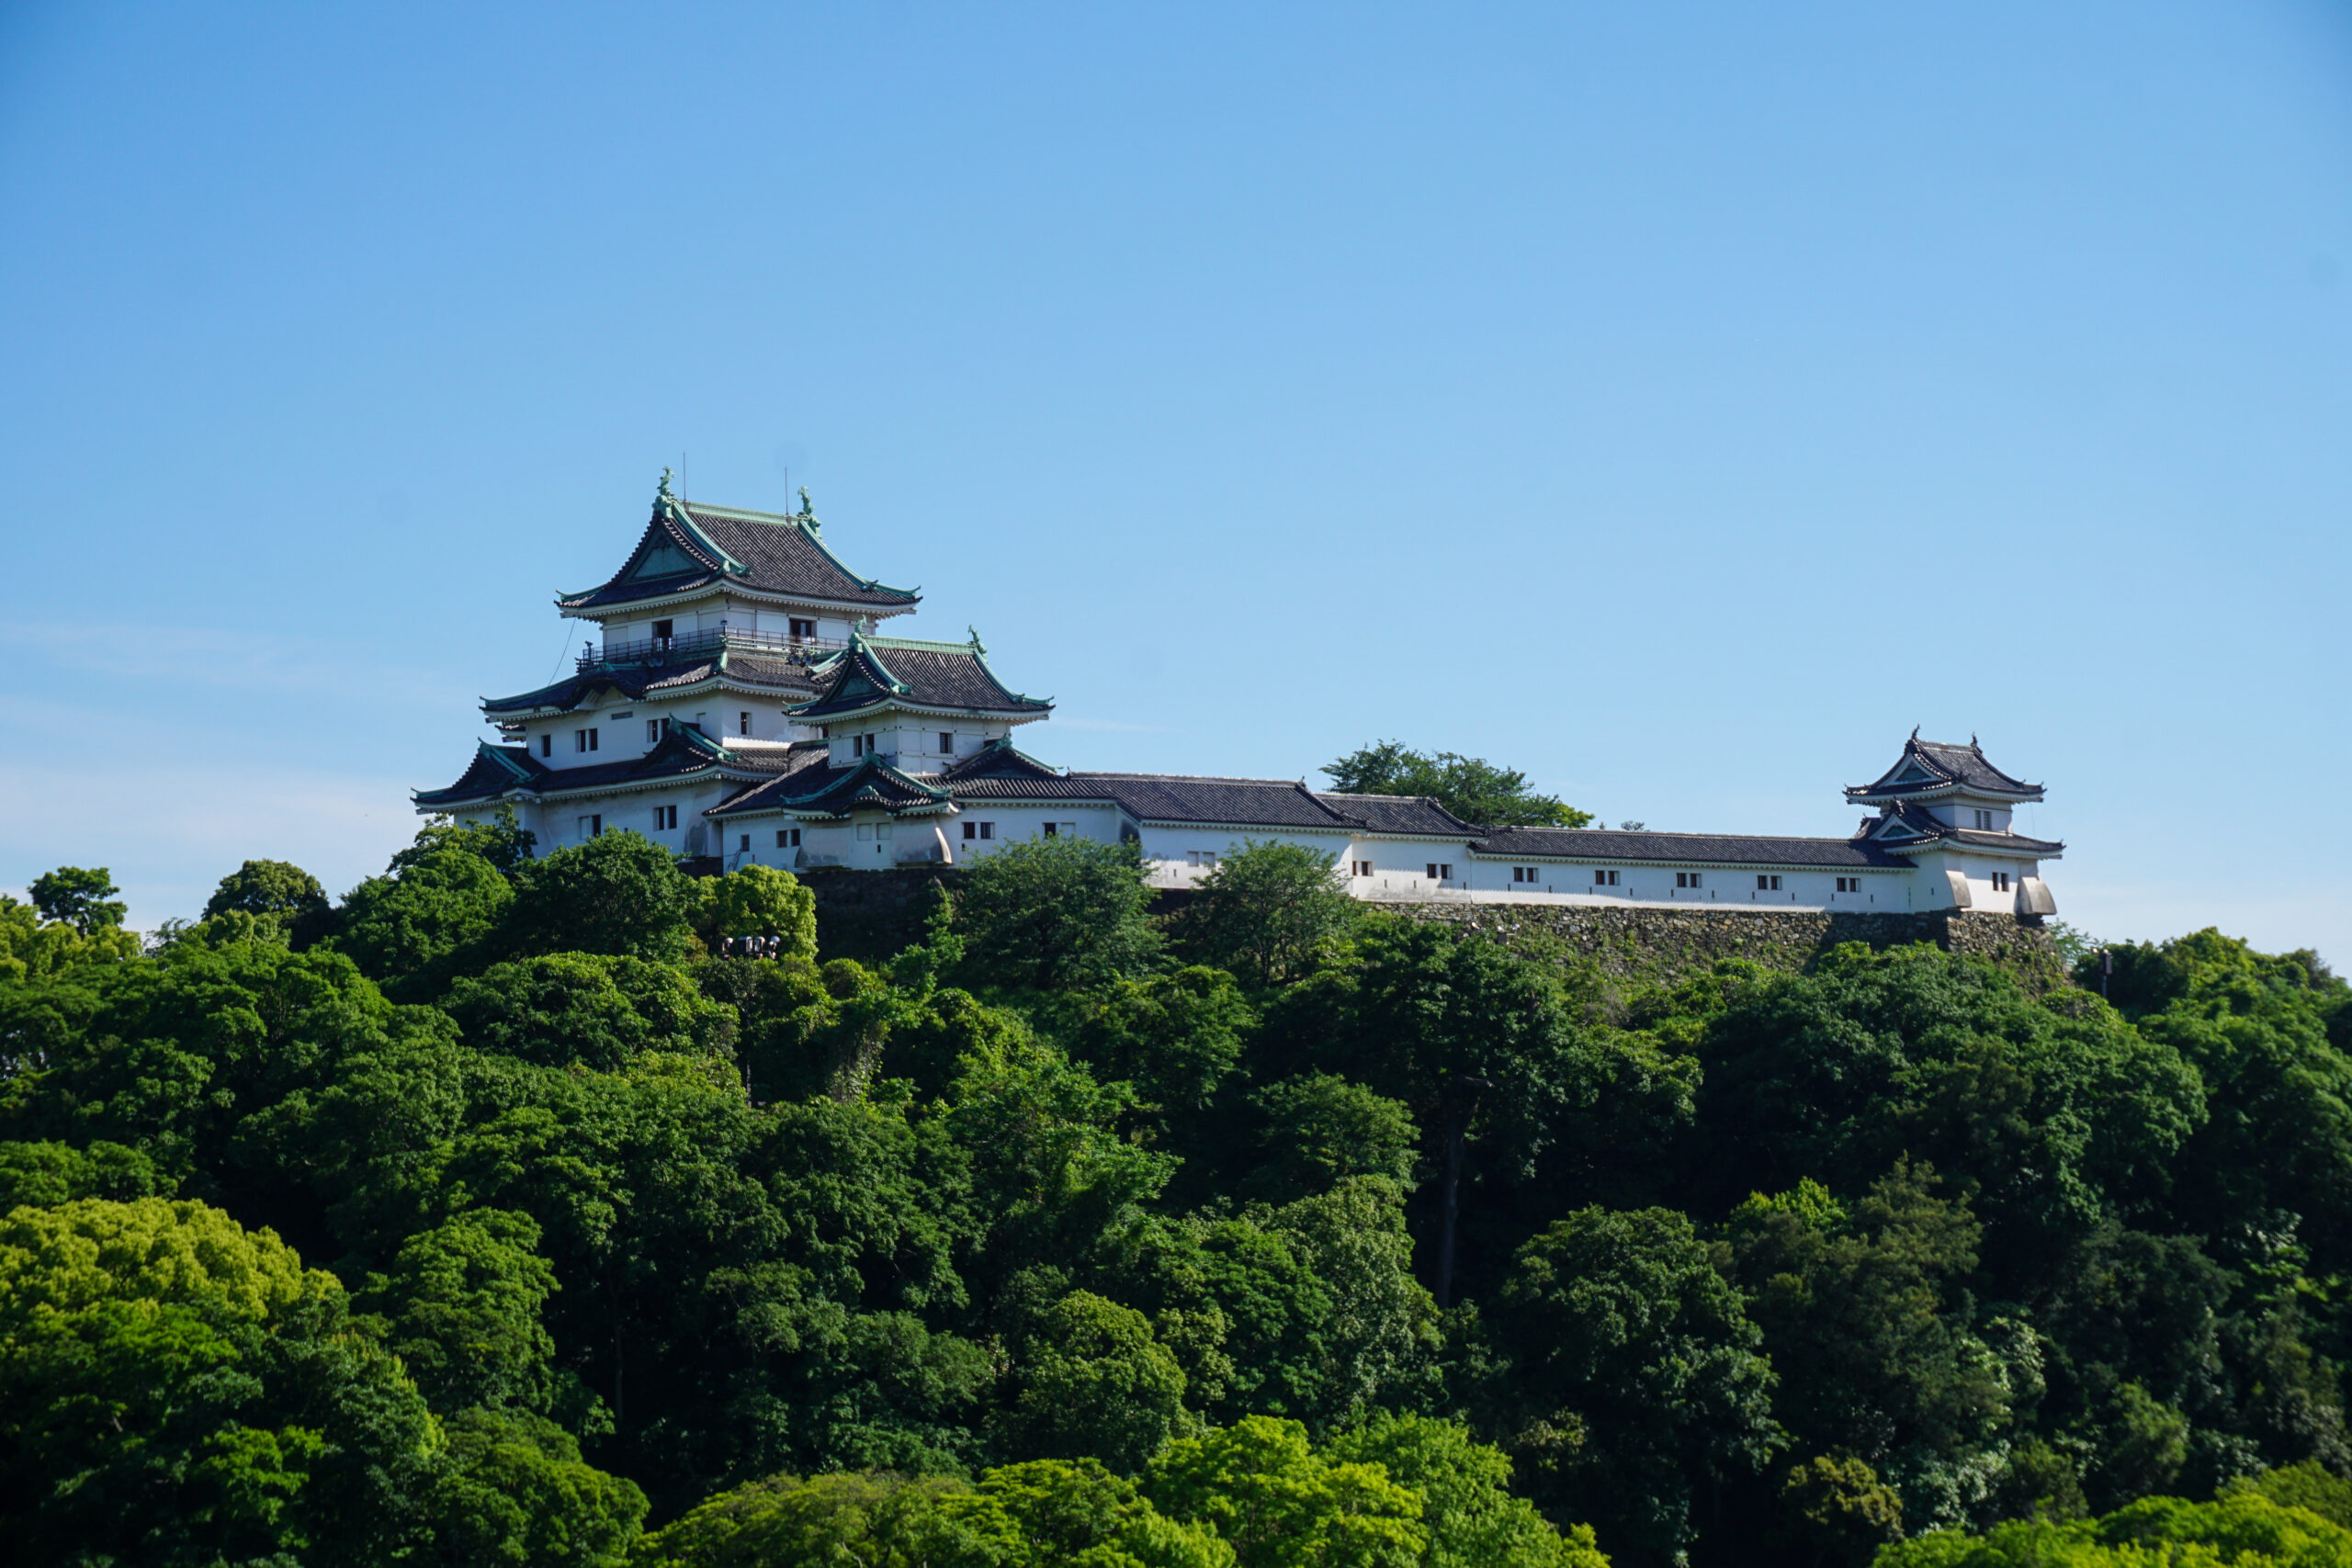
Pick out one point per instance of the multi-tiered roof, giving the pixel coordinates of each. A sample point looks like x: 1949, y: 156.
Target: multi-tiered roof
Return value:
x: 1921, y: 796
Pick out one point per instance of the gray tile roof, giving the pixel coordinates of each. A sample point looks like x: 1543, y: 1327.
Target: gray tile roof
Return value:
x: 953, y: 676
x: 1938, y: 766
x: 1733, y: 849
x: 767, y: 551
x: 1912, y: 826
x: 497, y: 770
x: 790, y: 682
x: 1414, y: 815
x: 1242, y: 803
x: 871, y: 783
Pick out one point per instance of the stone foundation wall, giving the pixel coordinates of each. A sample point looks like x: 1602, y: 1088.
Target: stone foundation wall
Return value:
x: 869, y: 915
x: 1666, y: 944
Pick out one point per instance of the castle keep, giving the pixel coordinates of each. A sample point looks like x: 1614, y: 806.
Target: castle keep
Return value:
x: 742, y: 707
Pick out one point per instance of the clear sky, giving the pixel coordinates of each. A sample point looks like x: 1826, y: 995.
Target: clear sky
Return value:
x: 1678, y: 402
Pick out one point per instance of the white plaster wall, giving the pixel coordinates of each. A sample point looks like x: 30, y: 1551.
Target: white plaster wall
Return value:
x: 1020, y: 821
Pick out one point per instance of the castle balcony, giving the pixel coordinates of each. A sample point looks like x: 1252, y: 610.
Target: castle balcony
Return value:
x: 690, y: 646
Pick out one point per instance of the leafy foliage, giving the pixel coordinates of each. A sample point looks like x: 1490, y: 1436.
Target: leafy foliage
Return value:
x: 1267, y: 910
x: 1474, y: 789
x: 1402, y: 1244
x: 1056, y: 912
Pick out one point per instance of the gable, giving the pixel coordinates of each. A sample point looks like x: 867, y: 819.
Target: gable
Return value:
x: 664, y: 560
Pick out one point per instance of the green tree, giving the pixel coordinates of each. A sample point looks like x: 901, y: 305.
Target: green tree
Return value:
x: 1042, y: 1513
x: 1268, y: 911
x: 176, y: 1389
x: 588, y: 1008
x: 619, y: 892
x: 2308, y: 1485
x: 1634, y: 1373
x: 759, y: 901
x: 1054, y: 913
x: 1094, y: 1383
x: 503, y: 841
x: 32, y: 949
x: 1176, y: 1037
x: 1472, y: 788
x: 1319, y: 1128
x: 1467, y: 1504
x: 462, y: 1304
x: 1837, y: 1511
x: 1261, y: 1486
x: 413, y: 930
x: 1076, y: 1511
x: 78, y: 898
x: 2240, y: 1531
x: 49, y: 1173
x: 268, y: 888
x: 511, y: 1488
x: 1869, y: 1328
x: 1473, y: 1040
x: 871, y: 1520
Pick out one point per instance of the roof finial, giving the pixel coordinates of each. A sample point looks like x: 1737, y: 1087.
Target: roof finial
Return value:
x: 806, y: 510
x: 1972, y: 742
x: 1914, y: 732
x: 662, y: 490
x: 977, y: 645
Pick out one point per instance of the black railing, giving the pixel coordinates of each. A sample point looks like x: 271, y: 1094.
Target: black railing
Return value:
x: 696, y: 645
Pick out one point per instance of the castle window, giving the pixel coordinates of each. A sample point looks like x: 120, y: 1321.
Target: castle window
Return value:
x: 787, y: 837
x: 1686, y: 879
x: 1360, y: 867
x: 652, y: 731
x: 1050, y: 829
x: 665, y: 819
x: 947, y: 743
x: 2000, y: 882
x: 590, y: 827
x: 1524, y: 874
x: 1603, y: 878
x: 979, y: 830
x: 1849, y: 884
x: 584, y: 740
x: 547, y: 743
x: 661, y: 630
x: 1767, y: 884
x: 1984, y: 821
x: 803, y: 630
x: 742, y: 724
x: 1439, y: 871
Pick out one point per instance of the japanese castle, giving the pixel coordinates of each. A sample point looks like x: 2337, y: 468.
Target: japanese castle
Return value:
x: 742, y: 706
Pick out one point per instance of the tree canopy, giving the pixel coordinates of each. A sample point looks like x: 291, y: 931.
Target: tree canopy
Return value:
x: 1479, y: 792
x: 507, y: 1212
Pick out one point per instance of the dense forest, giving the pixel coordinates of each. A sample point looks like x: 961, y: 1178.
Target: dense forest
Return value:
x: 567, y: 1209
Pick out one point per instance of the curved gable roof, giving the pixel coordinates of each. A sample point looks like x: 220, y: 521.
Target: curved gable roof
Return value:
x: 876, y: 672
x: 1937, y: 767
x: 689, y: 545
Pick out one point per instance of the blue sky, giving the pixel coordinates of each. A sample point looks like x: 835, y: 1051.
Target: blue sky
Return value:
x: 1678, y: 402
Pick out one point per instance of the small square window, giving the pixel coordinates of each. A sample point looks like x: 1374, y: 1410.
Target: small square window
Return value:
x: 1686, y: 879
x: 1050, y: 829
x: 947, y: 743
x: 787, y: 837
